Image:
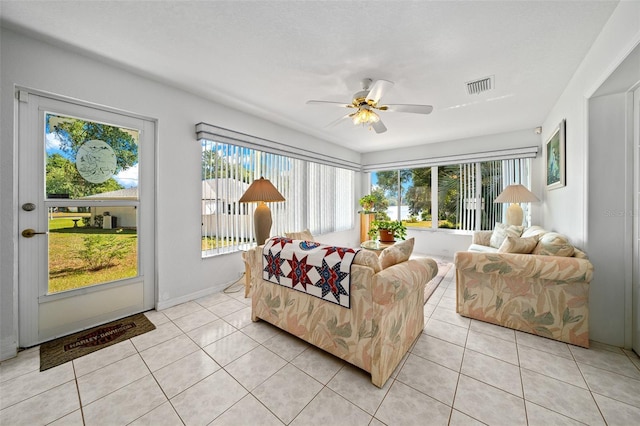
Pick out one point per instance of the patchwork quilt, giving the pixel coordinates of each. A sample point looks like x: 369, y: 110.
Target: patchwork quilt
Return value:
x: 310, y: 267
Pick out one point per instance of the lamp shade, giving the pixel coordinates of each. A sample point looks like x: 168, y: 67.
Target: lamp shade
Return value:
x: 516, y: 194
x: 261, y: 190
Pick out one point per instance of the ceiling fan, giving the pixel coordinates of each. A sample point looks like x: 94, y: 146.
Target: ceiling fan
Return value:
x: 366, y: 102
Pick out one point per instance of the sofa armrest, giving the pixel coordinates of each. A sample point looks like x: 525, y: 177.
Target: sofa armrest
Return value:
x: 482, y: 238
x: 555, y: 268
x: 398, y: 281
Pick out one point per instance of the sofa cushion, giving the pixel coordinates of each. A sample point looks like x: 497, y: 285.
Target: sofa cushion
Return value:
x: 554, y: 244
x: 302, y: 235
x: 479, y: 248
x: 397, y: 253
x: 518, y: 245
x: 533, y: 231
x: 368, y: 258
x: 501, y: 231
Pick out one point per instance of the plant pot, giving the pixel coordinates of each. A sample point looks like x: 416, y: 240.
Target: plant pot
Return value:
x: 386, y: 236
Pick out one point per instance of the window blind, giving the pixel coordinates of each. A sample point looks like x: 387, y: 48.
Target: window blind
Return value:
x: 220, y: 134
x: 318, y: 197
x: 503, y: 154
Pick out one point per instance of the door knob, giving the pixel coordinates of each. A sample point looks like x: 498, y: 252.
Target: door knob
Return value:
x: 28, y: 233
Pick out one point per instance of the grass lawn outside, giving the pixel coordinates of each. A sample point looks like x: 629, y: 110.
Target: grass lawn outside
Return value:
x: 68, y: 271
x: 427, y: 224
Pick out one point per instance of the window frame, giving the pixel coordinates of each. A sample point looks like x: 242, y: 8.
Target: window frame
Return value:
x: 304, y: 184
x: 513, y: 170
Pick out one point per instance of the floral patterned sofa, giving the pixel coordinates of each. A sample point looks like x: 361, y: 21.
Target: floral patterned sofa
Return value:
x: 385, y: 317
x: 536, y: 282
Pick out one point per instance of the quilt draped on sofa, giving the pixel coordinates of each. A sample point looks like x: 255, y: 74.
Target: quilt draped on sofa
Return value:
x: 310, y: 267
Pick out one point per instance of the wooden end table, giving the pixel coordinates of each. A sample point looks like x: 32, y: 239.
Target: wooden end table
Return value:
x: 375, y: 246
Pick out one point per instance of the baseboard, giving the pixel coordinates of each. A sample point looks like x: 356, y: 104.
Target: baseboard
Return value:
x: 164, y: 304
x: 9, y: 349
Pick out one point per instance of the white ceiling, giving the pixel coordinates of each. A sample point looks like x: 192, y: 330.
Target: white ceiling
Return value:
x: 269, y: 57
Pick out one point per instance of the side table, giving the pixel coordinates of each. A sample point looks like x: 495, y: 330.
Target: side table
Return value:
x: 375, y: 246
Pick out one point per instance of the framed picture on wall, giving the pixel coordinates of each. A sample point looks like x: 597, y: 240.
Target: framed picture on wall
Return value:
x: 555, y: 151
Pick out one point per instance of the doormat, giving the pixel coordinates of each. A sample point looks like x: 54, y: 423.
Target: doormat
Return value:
x: 431, y: 286
x: 67, y: 348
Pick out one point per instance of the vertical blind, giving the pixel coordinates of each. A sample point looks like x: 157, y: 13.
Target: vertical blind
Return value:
x: 480, y: 185
x: 517, y: 171
x: 318, y: 197
x: 465, y: 193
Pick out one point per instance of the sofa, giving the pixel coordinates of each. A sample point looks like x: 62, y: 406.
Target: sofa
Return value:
x: 529, y: 279
x: 384, y: 318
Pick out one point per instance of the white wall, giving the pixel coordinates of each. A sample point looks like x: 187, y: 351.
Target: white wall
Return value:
x: 181, y: 272
x: 595, y: 159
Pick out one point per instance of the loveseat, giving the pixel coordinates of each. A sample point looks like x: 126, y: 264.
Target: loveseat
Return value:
x: 384, y: 318
x: 535, y: 282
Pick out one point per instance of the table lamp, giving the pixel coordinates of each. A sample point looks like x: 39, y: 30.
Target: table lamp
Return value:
x: 515, y: 194
x: 261, y: 191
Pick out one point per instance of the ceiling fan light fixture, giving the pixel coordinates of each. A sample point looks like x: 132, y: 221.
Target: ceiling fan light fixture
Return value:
x: 365, y: 116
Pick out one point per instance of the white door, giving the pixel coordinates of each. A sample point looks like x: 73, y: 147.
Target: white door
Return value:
x: 635, y: 310
x: 86, y: 219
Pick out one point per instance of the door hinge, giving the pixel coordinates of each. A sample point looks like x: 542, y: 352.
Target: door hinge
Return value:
x: 22, y: 96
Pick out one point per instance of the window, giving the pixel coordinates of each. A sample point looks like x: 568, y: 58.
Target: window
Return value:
x: 318, y: 197
x: 460, y: 196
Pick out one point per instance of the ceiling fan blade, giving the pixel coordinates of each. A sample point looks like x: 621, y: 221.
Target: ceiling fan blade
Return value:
x: 339, y: 120
x: 330, y: 103
x: 415, y: 109
x: 378, y: 89
x: 379, y: 127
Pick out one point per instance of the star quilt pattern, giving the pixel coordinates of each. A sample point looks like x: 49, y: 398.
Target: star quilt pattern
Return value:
x: 310, y: 267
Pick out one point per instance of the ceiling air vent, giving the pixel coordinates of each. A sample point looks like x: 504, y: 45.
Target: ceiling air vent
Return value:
x: 480, y: 85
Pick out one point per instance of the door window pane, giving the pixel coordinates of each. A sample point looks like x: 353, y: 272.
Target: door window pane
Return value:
x: 91, y: 245
x: 85, y: 158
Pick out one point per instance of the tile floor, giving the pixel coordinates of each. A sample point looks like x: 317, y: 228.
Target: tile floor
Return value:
x: 207, y: 363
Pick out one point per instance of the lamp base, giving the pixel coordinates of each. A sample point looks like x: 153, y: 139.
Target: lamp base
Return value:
x: 262, y: 223
x: 514, y: 215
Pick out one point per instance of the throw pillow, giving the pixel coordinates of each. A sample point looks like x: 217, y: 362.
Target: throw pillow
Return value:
x: 397, y: 253
x: 368, y: 258
x: 554, y: 244
x: 518, y: 245
x: 533, y: 231
x: 501, y: 231
x: 302, y: 235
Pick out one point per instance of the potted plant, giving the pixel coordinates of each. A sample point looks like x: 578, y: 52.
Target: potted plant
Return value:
x: 388, y: 230
x: 367, y: 202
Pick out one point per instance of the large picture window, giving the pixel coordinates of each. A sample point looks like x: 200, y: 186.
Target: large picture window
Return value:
x: 318, y: 197
x: 456, y: 196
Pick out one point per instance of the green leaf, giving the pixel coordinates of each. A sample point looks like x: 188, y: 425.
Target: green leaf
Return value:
x: 467, y: 296
x: 501, y: 267
x: 499, y: 302
x: 342, y: 343
x: 543, y: 319
x: 362, y: 331
x: 375, y: 328
x: 342, y: 331
x: 567, y: 318
x: 394, y: 333
x: 543, y: 331
x: 272, y: 303
x: 401, y: 294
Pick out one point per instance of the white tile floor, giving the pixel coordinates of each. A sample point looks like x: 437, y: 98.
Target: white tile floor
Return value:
x: 207, y: 363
